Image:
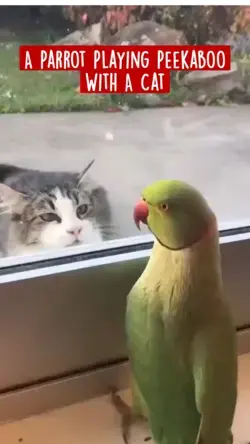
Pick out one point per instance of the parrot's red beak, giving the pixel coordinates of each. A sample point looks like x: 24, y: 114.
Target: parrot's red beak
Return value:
x: 140, y: 213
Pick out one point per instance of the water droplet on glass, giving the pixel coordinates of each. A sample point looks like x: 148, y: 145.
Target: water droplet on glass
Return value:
x: 109, y: 136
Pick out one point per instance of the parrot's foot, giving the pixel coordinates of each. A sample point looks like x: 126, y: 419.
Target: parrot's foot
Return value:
x: 128, y: 417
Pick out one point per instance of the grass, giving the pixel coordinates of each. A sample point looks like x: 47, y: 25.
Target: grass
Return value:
x: 24, y: 92
x: 40, y: 91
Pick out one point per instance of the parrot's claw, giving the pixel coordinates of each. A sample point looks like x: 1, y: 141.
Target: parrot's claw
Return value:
x: 125, y: 412
x: 128, y: 418
x: 125, y: 427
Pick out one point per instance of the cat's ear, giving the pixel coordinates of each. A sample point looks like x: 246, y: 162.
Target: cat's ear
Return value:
x: 11, y: 201
x: 84, y: 172
x: 96, y: 192
x: 98, y: 196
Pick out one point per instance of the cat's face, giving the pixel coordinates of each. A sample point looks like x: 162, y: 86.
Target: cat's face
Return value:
x: 58, y: 218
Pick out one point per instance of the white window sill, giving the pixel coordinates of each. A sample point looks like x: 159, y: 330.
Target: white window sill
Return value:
x: 96, y: 422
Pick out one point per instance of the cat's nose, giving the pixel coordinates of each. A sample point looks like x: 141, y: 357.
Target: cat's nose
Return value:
x: 75, y: 232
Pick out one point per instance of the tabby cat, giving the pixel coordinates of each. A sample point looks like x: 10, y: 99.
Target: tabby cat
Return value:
x: 51, y: 210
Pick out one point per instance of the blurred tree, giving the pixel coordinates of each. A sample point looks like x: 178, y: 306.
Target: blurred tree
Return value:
x: 199, y: 23
x: 242, y: 20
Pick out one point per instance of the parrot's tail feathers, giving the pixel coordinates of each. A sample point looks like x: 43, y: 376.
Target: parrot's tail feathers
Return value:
x: 200, y: 440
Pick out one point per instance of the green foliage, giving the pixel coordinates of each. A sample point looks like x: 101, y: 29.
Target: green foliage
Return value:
x: 56, y: 91
x: 199, y: 23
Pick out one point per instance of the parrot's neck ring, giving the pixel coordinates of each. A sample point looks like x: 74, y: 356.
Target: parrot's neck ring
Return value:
x: 182, y: 247
x: 211, y: 230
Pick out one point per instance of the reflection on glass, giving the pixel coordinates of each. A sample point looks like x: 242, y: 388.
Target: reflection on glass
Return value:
x: 53, y: 196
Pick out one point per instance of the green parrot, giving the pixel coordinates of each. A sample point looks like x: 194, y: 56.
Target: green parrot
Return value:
x: 180, y: 334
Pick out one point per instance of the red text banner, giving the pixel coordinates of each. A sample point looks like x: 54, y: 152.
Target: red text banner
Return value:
x: 124, y: 68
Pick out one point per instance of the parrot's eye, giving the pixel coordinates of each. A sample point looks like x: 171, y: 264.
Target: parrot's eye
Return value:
x: 164, y: 207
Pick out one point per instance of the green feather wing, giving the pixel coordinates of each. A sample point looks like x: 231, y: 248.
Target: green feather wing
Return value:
x: 214, y: 357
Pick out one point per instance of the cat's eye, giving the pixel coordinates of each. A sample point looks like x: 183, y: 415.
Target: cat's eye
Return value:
x: 50, y: 217
x: 82, y: 210
x: 16, y: 217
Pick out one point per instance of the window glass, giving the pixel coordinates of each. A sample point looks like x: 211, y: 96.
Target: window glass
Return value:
x: 50, y: 134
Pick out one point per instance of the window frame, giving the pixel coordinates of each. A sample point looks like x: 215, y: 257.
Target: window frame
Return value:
x: 62, y: 388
